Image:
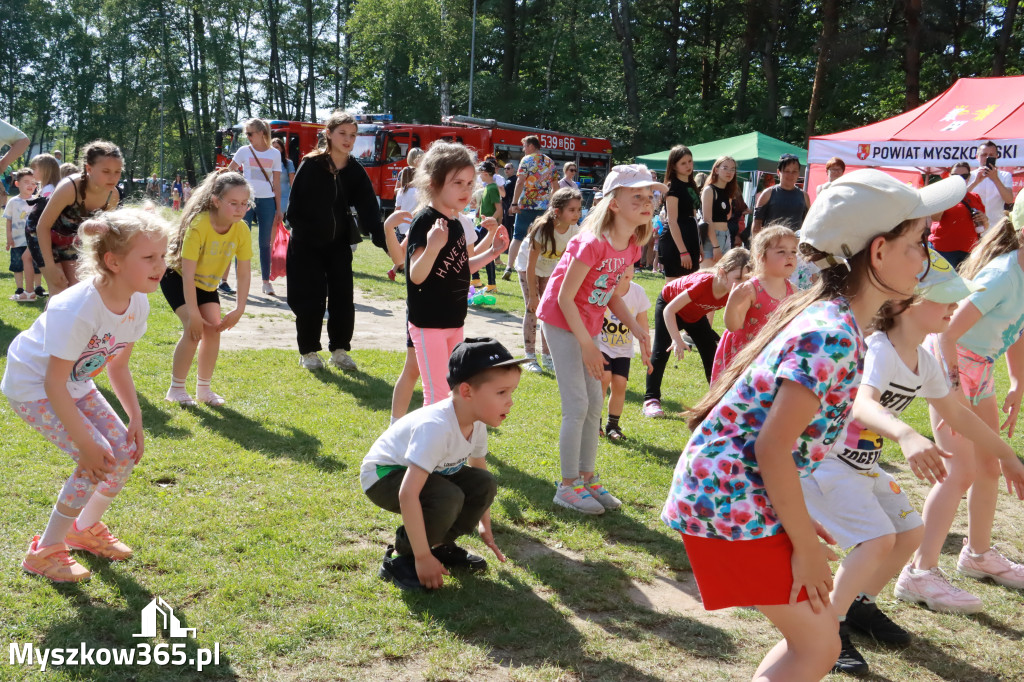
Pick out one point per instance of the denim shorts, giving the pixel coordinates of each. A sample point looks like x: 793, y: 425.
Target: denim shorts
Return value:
x: 16, y: 264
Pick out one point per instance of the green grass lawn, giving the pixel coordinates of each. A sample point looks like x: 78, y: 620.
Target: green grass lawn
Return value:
x: 250, y: 522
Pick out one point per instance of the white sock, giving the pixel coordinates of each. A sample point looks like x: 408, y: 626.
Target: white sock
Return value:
x: 93, y: 511
x: 56, y: 529
x: 177, y: 383
x: 202, y: 383
x: 866, y: 598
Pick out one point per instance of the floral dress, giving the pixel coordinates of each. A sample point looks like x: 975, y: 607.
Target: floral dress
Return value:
x: 717, y: 490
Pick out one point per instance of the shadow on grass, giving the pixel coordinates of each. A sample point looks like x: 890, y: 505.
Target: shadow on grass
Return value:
x: 369, y: 391
x: 96, y: 624
x: 519, y: 623
x: 155, y: 419
x: 617, y: 527
x: 939, y: 661
x: 253, y: 435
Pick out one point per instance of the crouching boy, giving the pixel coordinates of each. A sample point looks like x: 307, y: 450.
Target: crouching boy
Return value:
x: 417, y: 469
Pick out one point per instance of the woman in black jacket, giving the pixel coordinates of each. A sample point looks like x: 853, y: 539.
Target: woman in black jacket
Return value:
x: 327, y: 185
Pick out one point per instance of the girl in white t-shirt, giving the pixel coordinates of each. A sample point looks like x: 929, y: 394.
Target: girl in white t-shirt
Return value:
x: 860, y: 503
x: 48, y: 383
x: 543, y: 246
x: 260, y: 164
x: 616, y: 345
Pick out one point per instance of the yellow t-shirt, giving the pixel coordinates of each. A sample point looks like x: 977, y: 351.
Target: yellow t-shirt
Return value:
x: 212, y: 252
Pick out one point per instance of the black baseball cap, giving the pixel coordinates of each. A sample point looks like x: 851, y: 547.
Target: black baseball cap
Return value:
x: 474, y: 355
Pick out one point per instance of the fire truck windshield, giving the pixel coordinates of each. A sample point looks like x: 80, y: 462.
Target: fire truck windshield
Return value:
x: 365, y: 149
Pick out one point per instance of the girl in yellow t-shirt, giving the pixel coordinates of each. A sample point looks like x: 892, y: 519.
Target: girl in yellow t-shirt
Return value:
x: 211, y: 233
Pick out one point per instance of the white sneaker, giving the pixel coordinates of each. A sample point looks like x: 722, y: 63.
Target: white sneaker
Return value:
x: 933, y: 589
x: 547, y: 363
x: 532, y: 366
x: 341, y: 360
x: 311, y: 361
x: 990, y: 564
x: 577, y: 498
x: 268, y: 289
x: 601, y: 494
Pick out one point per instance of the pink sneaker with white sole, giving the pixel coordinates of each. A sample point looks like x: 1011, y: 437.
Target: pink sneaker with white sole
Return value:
x: 990, y: 564
x: 932, y: 588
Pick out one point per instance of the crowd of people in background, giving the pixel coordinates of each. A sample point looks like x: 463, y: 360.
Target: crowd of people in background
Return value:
x: 834, y: 310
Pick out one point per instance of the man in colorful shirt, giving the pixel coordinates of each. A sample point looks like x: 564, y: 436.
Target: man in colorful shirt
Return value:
x: 535, y: 181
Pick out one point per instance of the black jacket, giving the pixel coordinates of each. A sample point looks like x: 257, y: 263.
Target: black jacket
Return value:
x: 318, y: 195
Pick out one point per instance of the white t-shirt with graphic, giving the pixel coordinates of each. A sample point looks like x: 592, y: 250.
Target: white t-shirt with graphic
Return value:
x: 429, y: 438
x: 76, y: 326
x: 262, y: 187
x: 16, y: 211
x: 990, y: 195
x: 546, y: 260
x: 616, y: 340
x: 860, y: 447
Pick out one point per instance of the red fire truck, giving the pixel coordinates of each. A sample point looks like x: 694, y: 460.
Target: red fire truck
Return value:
x: 382, y: 145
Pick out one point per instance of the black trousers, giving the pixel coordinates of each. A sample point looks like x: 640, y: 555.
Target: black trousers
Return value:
x: 319, y: 279
x: 481, y: 233
x: 452, y: 505
x: 703, y: 335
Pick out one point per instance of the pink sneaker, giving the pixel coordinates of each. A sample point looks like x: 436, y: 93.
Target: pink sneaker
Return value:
x: 990, y: 564
x: 934, y: 590
x: 652, y: 409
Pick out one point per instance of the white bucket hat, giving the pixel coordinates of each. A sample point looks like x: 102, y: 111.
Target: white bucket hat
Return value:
x: 863, y: 204
x: 942, y: 284
x: 631, y: 175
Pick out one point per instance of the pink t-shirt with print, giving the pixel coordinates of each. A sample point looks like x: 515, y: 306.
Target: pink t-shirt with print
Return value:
x: 606, y: 268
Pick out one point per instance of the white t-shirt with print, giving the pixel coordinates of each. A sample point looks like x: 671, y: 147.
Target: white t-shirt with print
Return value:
x: 546, y: 261
x: 76, y: 326
x: 990, y: 195
x: 616, y: 341
x: 885, y: 371
x: 429, y: 438
x: 17, y: 212
x: 262, y: 187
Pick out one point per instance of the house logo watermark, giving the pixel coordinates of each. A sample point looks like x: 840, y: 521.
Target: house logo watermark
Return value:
x: 157, y: 618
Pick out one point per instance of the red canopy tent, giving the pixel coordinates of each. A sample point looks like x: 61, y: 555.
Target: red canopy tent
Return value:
x: 935, y: 135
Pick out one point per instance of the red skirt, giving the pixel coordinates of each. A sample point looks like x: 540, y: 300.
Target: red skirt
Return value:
x: 742, y: 572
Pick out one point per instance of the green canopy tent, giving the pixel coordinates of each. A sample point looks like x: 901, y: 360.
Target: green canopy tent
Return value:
x: 753, y: 152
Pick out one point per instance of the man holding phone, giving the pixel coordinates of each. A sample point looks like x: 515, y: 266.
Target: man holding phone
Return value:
x: 995, y: 187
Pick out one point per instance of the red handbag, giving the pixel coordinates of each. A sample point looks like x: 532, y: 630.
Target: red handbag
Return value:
x: 279, y: 252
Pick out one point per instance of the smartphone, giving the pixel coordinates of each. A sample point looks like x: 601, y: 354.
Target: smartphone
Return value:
x: 990, y: 162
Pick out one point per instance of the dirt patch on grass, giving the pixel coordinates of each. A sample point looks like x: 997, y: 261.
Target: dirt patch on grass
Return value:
x: 664, y: 595
x: 380, y: 324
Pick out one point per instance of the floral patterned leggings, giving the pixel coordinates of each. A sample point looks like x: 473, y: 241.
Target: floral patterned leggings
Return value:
x: 105, y: 427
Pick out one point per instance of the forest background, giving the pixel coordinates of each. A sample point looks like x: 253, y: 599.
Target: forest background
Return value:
x: 645, y: 73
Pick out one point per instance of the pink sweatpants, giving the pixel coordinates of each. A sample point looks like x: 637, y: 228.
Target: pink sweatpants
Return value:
x: 433, y: 348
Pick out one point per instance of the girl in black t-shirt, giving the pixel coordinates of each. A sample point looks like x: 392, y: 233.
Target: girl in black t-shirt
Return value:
x: 438, y: 262
x: 679, y: 246
x: 716, y: 206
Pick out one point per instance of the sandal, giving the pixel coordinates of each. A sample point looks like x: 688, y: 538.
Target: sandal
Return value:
x: 179, y: 396
x: 210, y: 398
x: 614, y: 434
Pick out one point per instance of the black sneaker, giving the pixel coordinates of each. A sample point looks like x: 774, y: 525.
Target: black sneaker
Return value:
x: 40, y: 291
x: 507, y: 275
x: 400, y: 570
x: 870, y: 620
x: 850, y: 661
x: 224, y: 287
x: 454, y: 558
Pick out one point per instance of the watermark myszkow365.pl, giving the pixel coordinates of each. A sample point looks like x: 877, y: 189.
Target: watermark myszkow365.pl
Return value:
x: 143, y: 653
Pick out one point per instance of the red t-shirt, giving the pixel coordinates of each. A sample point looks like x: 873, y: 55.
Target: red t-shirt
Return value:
x: 699, y: 287
x: 956, y: 231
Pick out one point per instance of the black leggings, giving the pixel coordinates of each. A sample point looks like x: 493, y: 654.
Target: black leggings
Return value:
x: 319, y: 279
x: 704, y: 337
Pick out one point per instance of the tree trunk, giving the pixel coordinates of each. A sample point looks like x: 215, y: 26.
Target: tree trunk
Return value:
x: 673, y: 34
x: 769, y: 62
x: 622, y: 23
x: 508, y: 56
x: 311, y: 79
x: 752, y: 21
x: 1003, y: 42
x: 243, y: 83
x: 276, y: 101
x: 912, y: 55
x: 829, y: 29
